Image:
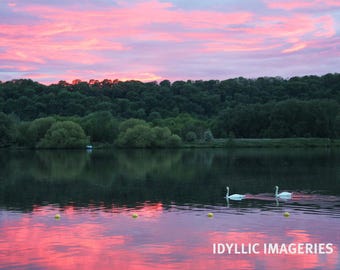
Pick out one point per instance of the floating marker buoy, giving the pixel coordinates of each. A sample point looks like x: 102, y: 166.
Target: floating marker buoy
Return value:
x: 286, y: 214
x: 135, y: 215
x: 57, y: 216
x: 210, y: 215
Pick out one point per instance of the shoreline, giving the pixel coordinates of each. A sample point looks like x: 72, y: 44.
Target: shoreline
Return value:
x: 219, y: 143
x: 267, y: 143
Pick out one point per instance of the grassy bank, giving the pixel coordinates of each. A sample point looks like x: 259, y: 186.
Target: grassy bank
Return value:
x: 261, y: 143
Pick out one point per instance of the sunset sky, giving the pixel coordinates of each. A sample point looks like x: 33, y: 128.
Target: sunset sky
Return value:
x: 149, y: 40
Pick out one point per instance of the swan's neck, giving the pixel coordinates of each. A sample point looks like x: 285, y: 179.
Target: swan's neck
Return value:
x: 276, y: 191
x: 227, y: 192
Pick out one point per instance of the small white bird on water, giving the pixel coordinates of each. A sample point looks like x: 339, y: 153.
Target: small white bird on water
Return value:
x: 235, y: 197
x: 282, y: 195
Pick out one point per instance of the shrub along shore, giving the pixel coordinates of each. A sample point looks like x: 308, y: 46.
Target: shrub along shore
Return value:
x: 101, y: 131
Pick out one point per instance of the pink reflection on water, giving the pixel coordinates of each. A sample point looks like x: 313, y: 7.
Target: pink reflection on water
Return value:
x: 99, y: 238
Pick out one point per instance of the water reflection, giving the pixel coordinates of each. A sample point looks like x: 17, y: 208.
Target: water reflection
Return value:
x: 126, y: 177
x: 162, y: 236
x: 171, y: 191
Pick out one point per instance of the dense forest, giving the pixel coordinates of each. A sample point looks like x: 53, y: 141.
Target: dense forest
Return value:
x: 165, y: 114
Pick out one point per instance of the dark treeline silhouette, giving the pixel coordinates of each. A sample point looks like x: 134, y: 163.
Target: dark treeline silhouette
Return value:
x: 267, y: 107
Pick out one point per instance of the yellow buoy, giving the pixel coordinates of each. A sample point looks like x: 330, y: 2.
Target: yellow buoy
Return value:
x: 134, y: 215
x: 210, y: 215
x: 57, y: 216
x: 286, y: 214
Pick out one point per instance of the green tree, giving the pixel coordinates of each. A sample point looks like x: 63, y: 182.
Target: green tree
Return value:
x: 130, y: 123
x: 184, y: 123
x: 140, y: 136
x: 7, y: 130
x: 65, y: 134
x: 22, y: 134
x: 174, y: 141
x: 161, y: 135
x: 154, y: 116
x: 208, y: 136
x: 145, y: 136
x: 100, y: 126
x: 37, y: 130
x: 191, y: 136
x: 165, y: 83
x: 337, y: 126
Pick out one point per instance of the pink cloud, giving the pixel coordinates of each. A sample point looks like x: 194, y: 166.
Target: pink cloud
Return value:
x: 295, y: 48
x: 248, y: 46
x: 76, y: 36
x: 15, y: 67
x: 296, y: 25
x: 143, y: 77
x: 11, y: 4
x: 22, y: 56
x: 302, y: 4
x: 141, y: 39
x: 326, y: 27
x: 130, y: 16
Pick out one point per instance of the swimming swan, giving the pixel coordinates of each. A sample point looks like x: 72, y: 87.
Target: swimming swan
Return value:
x: 282, y: 195
x: 235, y: 197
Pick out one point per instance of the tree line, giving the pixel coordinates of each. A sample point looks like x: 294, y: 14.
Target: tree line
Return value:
x: 165, y: 114
x: 78, y: 132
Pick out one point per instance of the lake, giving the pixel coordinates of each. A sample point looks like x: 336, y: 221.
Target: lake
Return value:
x: 166, y: 209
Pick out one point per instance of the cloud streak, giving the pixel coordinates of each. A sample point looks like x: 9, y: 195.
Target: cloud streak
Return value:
x: 146, y: 40
x: 303, y: 4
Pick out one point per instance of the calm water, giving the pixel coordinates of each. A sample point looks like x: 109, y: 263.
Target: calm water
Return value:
x: 96, y: 193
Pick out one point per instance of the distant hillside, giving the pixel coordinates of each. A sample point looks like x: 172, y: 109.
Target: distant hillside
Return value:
x: 264, y: 107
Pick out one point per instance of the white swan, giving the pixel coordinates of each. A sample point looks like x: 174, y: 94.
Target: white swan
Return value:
x: 282, y: 195
x: 235, y: 197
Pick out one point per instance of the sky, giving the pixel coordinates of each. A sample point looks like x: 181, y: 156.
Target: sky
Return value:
x: 152, y: 40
